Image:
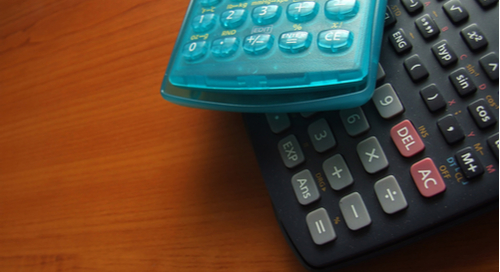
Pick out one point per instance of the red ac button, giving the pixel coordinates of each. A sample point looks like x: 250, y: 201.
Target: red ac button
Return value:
x: 427, y: 178
x: 407, y: 139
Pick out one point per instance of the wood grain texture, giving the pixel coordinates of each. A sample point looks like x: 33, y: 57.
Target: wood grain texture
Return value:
x: 99, y: 173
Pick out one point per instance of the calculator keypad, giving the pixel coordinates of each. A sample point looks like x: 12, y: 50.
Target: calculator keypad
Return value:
x: 426, y: 141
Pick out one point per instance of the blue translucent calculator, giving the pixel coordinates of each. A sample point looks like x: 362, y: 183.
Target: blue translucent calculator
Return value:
x: 276, y: 55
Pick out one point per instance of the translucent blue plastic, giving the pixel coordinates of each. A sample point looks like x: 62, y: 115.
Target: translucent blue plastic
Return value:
x: 276, y: 55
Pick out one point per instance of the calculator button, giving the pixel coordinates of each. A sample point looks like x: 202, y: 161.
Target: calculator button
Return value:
x: 380, y: 73
x: 415, y: 68
x: 302, y: 12
x: 387, y: 101
x: 305, y: 187
x: 203, y: 23
x: 225, y: 47
x: 462, y: 83
x: 451, y: 129
x: 354, y: 121
x: 400, y: 41
x: 427, y: 178
x: 337, y: 172
x: 493, y: 143
x: 295, y: 41
x: 389, y: 19
x: 354, y: 211
x: 195, y: 50
x: 290, y: 151
x: 456, y: 11
x: 340, y: 10
x: 427, y: 27
x: 474, y: 37
x: 490, y: 65
x: 433, y: 98
x: 320, y: 226
x: 444, y: 53
x: 209, y: 3
x: 278, y: 122
x: 266, y: 15
x: 486, y: 3
x: 482, y: 113
x: 336, y: 40
x: 412, y: 6
x: 469, y: 163
x: 389, y: 195
x: 258, y: 44
x: 407, y: 139
x: 372, y: 155
x: 233, y: 18
x: 321, y: 136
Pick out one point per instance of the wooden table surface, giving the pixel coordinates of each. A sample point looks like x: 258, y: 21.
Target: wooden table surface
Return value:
x: 99, y: 173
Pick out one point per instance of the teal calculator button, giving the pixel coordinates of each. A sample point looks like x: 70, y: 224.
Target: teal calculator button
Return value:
x: 266, y: 15
x: 209, y: 3
x: 233, y: 18
x: 258, y: 44
x: 295, y: 41
x: 301, y: 12
x: 195, y: 50
x: 335, y: 40
x: 340, y: 10
x: 225, y: 47
x: 203, y: 23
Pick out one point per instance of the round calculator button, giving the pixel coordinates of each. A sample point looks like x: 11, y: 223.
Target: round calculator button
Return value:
x: 295, y: 41
x: 258, y: 44
x: 266, y: 15
x: 340, y: 10
x: 225, y: 47
x: 336, y: 40
x: 195, y: 50
x: 233, y: 18
x: 301, y: 12
x: 209, y: 3
x: 203, y: 22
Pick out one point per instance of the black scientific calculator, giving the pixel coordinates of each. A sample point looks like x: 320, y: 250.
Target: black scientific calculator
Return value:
x: 420, y: 156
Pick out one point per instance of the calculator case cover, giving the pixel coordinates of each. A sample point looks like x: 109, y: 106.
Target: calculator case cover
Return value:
x: 276, y: 81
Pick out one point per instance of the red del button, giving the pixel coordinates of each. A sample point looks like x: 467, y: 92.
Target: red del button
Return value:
x: 427, y: 178
x: 406, y: 138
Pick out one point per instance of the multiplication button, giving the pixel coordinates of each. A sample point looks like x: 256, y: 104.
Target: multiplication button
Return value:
x: 372, y: 155
x: 320, y: 226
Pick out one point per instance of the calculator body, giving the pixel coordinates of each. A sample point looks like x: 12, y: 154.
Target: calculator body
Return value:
x: 266, y: 56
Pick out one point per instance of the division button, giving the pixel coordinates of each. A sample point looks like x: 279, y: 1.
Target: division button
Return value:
x: 407, y: 139
x: 427, y: 178
x: 372, y: 155
x: 354, y: 211
x: 451, y: 129
x: 469, y: 163
x: 304, y: 187
x: 320, y: 226
x: 389, y: 195
x: 337, y: 172
x: 290, y: 151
